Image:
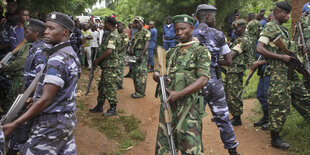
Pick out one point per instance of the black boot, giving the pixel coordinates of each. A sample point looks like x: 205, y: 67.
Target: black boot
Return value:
x: 233, y: 151
x: 277, y: 142
x: 236, y: 121
x: 128, y: 74
x: 263, y: 120
x: 98, y: 108
x: 265, y: 126
x: 111, y: 111
x: 11, y: 152
x: 151, y: 70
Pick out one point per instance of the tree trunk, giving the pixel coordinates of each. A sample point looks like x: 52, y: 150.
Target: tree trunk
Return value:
x: 296, y: 11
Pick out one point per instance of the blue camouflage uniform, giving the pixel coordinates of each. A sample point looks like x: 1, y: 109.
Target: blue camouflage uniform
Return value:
x: 52, y: 131
x: 169, y: 36
x: 213, y: 92
x: 34, y: 64
x: 75, y: 38
x: 152, y: 46
x: 16, y: 35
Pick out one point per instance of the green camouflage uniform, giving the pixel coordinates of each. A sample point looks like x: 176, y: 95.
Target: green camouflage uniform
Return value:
x: 196, y: 63
x: 252, y: 31
x: 139, y: 69
x: 109, y: 66
x: 283, y: 90
x: 122, y: 54
x: 15, y: 69
x: 234, y: 75
x: 305, y: 19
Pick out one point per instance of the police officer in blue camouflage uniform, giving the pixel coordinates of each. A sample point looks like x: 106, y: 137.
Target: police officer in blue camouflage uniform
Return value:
x: 213, y: 92
x: 34, y: 33
x: 54, y: 120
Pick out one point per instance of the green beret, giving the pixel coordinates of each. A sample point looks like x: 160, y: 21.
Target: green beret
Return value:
x: 183, y: 19
x: 239, y: 22
x: 284, y: 5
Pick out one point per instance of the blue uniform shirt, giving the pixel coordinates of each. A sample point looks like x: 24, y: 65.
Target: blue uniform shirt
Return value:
x: 63, y: 68
x: 215, y: 41
x: 169, y: 34
x: 16, y: 35
x: 153, y: 38
x: 35, y: 62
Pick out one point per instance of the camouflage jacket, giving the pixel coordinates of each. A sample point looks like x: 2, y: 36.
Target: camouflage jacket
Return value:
x: 267, y: 36
x: 139, y: 39
x: 123, y: 42
x: 242, y: 45
x: 195, y: 62
x: 305, y: 25
x: 253, y: 30
x: 17, y: 63
x: 112, y: 41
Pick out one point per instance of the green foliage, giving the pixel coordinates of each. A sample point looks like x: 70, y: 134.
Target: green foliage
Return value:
x: 71, y: 7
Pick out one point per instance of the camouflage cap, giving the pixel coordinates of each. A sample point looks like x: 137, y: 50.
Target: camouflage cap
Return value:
x: 239, y: 22
x: 139, y: 18
x: 284, y: 5
x: 183, y: 19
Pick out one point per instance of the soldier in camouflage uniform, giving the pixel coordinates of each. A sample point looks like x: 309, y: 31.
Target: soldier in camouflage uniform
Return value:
x: 305, y: 26
x: 109, y: 62
x: 283, y: 89
x: 252, y: 31
x: 214, y: 93
x: 34, y: 33
x: 15, y: 69
x: 188, y: 67
x: 122, y: 54
x: 53, y: 115
x: 234, y: 77
x: 140, y: 45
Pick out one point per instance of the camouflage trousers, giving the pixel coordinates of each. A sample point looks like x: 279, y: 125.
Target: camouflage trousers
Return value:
x: 188, y: 139
x: 120, y: 71
x: 214, y: 95
x: 233, y: 85
x: 52, y: 134
x: 107, y: 86
x: 19, y: 136
x: 282, y: 92
x: 139, y: 76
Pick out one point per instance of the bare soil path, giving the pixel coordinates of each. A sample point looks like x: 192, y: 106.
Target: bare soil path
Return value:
x: 252, y: 141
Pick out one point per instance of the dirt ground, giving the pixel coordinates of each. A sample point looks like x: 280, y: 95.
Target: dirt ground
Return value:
x: 252, y: 141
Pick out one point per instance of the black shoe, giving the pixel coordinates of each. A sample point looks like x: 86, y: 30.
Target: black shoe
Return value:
x: 136, y: 96
x: 233, y: 151
x: 98, y: 108
x: 128, y: 75
x: 150, y: 70
x: 265, y: 126
x: 119, y: 87
x: 111, y: 111
x: 11, y: 152
x: 277, y: 142
x: 236, y: 121
x: 263, y: 120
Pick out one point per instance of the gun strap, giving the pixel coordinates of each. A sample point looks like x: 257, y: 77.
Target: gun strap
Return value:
x: 137, y: 39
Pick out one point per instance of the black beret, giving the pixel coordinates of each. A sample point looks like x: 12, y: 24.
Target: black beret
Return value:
x: 284, y: 5
x: 110, y: 20
x: 62, y: 19
x: 36, y: 24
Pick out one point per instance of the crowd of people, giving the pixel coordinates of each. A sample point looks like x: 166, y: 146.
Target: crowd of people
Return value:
x: 51, y: 51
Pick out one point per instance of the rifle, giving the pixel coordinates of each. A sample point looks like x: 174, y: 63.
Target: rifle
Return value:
x: 247, y: 81
x: 6, y: 59
x: 304, y: 46
x: 166, y: 107
x: 91, y: 76
x: 294, y: 62
x: 22, y: 98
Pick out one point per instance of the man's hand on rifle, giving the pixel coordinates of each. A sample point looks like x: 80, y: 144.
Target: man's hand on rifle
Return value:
x: 9, y: 128
x: 29, y: 102
x: 285, y: 58
x: 96, y: 62
x: 255, y: 65
x: 140, y: 58
x: 173, y: 95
